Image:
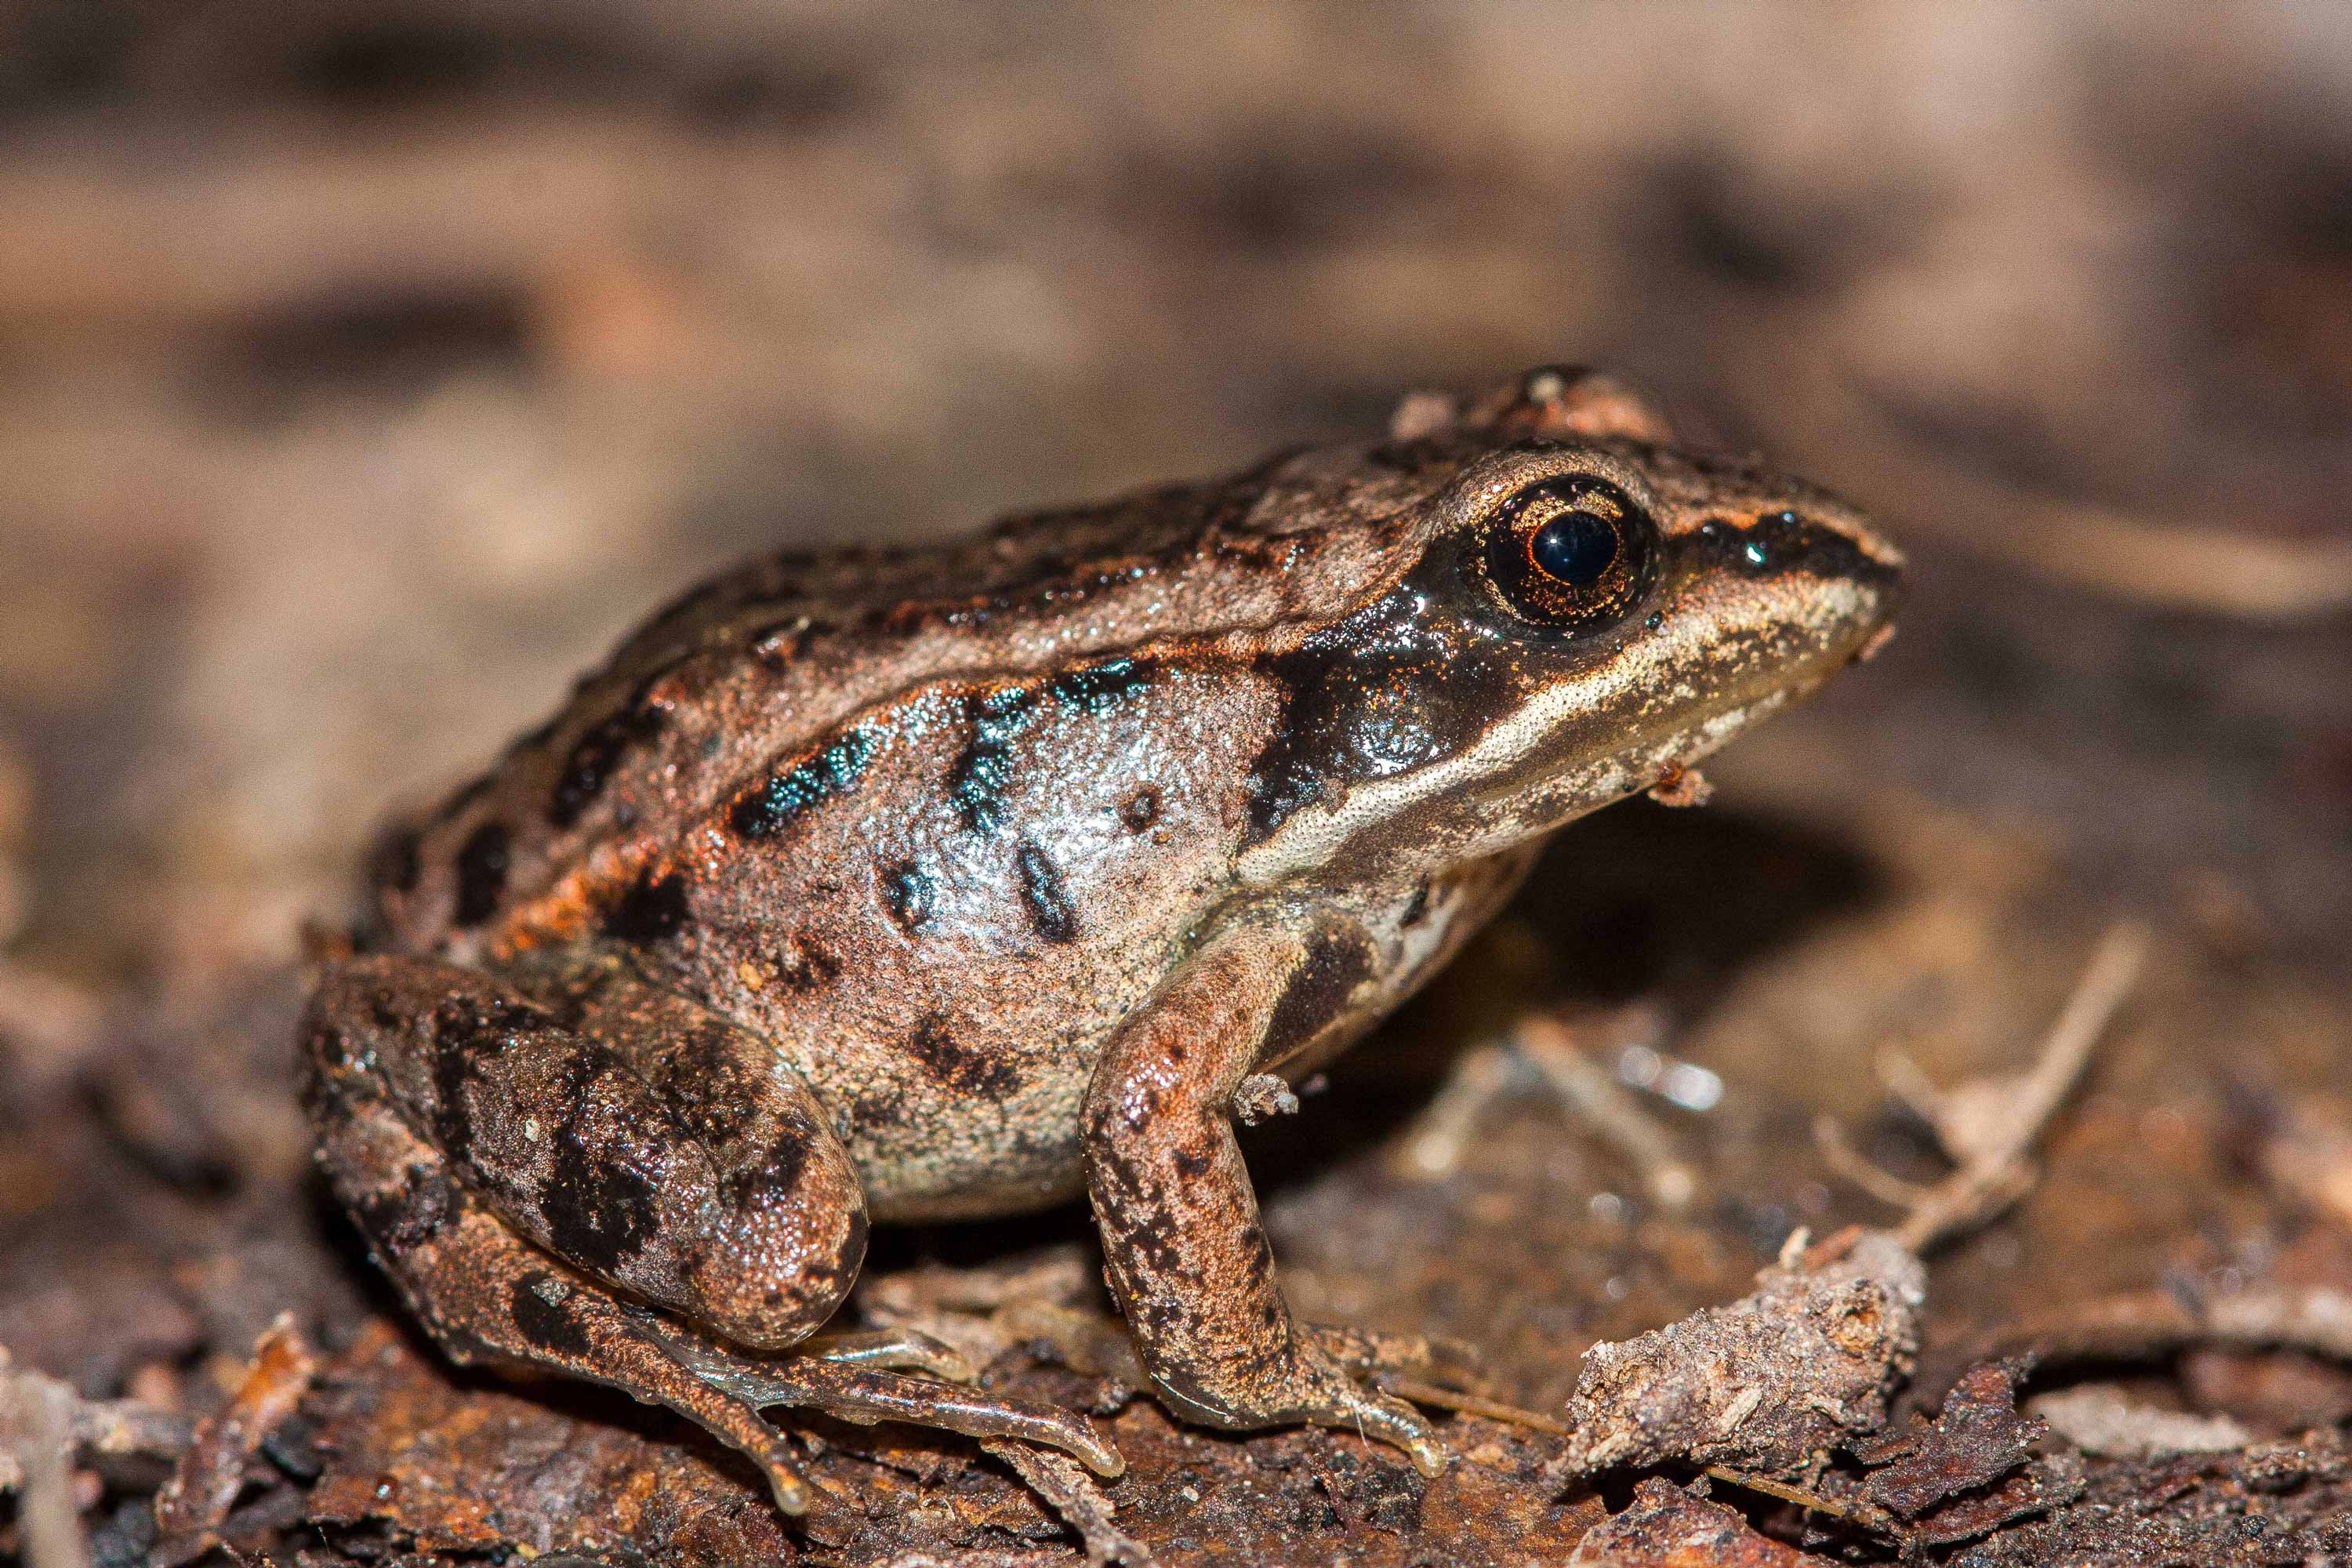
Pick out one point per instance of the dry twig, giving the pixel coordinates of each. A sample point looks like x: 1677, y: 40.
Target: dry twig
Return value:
x: 36, y: 1442
x: 1549, y: 1048
x: 1064, y: 1485
x: 2137, y: 1327
x: 1864, y: 1514
x: 1988, y: 1127
x: 1440, y: 1398
x: 2210, y: 565
x: 190, y: 1506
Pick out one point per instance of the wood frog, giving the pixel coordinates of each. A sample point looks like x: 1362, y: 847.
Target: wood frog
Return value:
x: 924, y: 884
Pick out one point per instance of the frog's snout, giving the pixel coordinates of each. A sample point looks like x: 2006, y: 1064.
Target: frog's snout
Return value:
x: 1803, y: 574
x: 1875, y: 582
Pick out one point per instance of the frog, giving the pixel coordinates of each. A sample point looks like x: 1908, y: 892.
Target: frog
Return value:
x: 914, y: 885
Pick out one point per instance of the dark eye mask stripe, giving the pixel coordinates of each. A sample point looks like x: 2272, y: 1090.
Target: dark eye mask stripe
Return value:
x: 1781, y: 542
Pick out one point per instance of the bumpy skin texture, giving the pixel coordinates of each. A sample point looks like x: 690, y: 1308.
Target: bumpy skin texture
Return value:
x: 931, y: 884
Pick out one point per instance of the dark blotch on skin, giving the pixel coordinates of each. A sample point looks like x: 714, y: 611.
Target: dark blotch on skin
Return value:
x: 1140, y: 810
x: 1318, y: 990
x: 409, y: 1215
x: 1050, y: 914
x: 1283, y: 781
x: 464, y: 796
x: 1783, y: 542
x: 779, y: 643
x: 1413, y: 456
x: 481, y: 874
x: 1260, y: 1260
x: 775, y: 1176
x: 654, y: 908
x: 985, y: 767
x: 704, y: 1084
x: 777, y: 804
x: 877, y: 1110
x: 1396, y: 686
x: 802, y: 965
x: 1103, y: 687
x: 547, y: 1325
x: 909, y: 894
x: 598, y: 1211
x: 850, y: 1255
x: 462, y: 1036
x: 596, y: 756
x: 958, y: 1066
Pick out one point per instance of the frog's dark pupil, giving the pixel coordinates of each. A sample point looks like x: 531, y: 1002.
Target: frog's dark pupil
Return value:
x: 1576, y: 547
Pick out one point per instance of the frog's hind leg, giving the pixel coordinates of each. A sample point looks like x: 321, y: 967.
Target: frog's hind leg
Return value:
x: 855, y: 1390
x: 655, y: 1147
x: 891, y: 1350
x: 640, y: 1139
x: 485, y: 1294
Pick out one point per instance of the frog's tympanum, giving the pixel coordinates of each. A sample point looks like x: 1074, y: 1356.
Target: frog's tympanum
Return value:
x: 882, y: 884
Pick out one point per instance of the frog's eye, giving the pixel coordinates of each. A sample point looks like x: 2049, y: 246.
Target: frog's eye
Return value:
x: 1571, y: 554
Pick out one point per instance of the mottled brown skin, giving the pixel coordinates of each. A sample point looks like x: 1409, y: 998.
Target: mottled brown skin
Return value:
x: 921, y: 885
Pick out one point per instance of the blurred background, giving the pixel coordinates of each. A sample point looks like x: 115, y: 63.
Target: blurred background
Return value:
x: 367, y: 368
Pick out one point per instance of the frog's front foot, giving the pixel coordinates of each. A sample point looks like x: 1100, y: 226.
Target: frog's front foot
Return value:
x: 1312, y: 1384
x: 1371, y: 1352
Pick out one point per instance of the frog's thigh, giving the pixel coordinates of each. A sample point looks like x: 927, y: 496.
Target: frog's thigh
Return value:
x: 1186, y: 1254
x: 484, y: 1292
x: 646, y: 1140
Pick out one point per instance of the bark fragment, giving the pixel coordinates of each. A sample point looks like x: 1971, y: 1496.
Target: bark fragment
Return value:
x: 1768, y: 1383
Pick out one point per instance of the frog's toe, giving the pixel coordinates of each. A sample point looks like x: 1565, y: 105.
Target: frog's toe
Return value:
x: 861, y: 1395
x: 1401, y: 1425
x: 900, y: 1349
x: 1373, y: 1350
x: 1343, y: 1403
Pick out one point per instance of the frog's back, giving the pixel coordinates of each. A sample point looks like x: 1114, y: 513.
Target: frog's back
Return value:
x: 932, y: 820
x: 756, y: 670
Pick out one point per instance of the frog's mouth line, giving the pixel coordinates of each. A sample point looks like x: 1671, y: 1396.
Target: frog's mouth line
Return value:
x: 1643, y: 764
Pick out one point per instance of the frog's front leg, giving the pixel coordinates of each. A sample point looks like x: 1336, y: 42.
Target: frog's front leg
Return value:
x: 637, y: 1142
x: 1188, y: 1258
